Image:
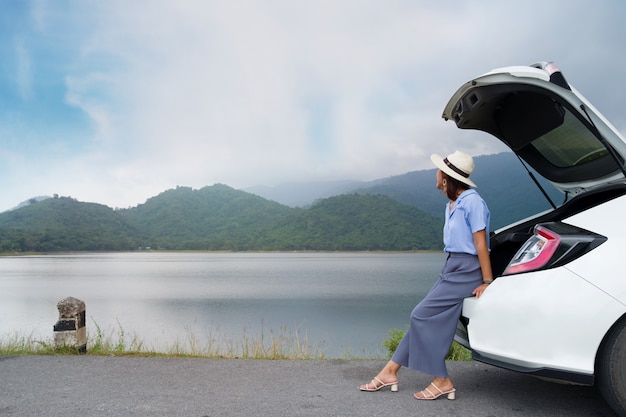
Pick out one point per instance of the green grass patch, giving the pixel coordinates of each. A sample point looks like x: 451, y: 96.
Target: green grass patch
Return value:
x: 456, y: 352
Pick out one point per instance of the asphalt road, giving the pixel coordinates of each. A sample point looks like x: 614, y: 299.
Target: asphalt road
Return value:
x: 48, y: 386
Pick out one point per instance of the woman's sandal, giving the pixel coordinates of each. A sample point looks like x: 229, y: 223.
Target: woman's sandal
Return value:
x: 429, y: 395
x: 377, y: 385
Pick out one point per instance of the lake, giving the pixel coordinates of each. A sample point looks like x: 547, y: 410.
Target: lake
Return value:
x: 342, y: 303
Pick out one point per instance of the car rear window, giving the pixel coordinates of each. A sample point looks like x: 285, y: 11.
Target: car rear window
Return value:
x: 570, y: 144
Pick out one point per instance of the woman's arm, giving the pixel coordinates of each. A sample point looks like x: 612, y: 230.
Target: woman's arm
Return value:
x: 480, y: 241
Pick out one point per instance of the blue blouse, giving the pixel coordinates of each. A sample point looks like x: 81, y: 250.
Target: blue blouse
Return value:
x: 469, y: 215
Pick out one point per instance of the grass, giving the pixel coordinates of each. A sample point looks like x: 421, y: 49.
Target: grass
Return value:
x: 283, y: 344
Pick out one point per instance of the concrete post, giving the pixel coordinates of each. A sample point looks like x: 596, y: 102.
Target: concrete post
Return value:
x: 70, y: 330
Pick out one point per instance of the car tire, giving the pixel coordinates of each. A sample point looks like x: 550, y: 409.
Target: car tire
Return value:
x: 611, y: 368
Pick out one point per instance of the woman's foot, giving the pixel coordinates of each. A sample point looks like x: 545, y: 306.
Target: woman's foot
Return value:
x: 437, y: 388
x: 387, y: 377
x: 378, y: 383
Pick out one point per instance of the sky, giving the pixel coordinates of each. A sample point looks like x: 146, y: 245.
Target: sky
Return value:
x: 116, y: 101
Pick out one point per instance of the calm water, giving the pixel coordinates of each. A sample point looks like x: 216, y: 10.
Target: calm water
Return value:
x: 342, y: 303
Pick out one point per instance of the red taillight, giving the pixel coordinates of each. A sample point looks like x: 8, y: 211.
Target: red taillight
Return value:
x: 535, y: 253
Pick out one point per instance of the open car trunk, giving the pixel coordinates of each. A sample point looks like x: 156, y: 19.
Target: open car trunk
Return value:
x: 543, y: 120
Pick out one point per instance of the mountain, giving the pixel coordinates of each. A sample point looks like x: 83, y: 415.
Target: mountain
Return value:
x: 219, y: 218
x: 502, y: 181
x: 403, y: 212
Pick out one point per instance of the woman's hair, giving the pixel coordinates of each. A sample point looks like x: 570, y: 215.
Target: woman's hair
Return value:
x: 453, y: 186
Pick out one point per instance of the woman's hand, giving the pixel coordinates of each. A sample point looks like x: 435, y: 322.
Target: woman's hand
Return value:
x: 480, y: 290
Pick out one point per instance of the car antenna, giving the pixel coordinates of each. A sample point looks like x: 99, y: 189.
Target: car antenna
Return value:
x: 532, y: 176
x: 603, y: 141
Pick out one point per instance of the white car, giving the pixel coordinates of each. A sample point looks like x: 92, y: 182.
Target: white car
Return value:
x: 557, y: 308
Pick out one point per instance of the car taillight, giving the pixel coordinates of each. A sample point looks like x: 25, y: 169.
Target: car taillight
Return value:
x: 551, y: 245
x: 535, y: 253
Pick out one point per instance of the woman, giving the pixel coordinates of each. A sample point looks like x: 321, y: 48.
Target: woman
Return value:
x: 466, y: 272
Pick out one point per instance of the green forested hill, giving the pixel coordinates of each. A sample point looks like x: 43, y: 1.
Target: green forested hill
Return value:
x: 211, y: 218
x: 64, y: 224
x: 358, y: 222
x: 219, y: 218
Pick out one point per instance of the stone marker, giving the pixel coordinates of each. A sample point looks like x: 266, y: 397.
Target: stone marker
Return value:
x: 70, y: 330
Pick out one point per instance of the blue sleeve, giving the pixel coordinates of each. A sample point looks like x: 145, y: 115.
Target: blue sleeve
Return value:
x: 477, y: 214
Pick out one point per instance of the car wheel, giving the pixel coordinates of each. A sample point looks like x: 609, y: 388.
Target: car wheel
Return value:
x: 611, y: 368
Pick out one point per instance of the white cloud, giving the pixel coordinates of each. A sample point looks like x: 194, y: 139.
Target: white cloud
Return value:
x: 261, y: 92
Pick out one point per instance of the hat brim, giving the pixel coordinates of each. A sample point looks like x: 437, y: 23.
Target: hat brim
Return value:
x: 438, y: 161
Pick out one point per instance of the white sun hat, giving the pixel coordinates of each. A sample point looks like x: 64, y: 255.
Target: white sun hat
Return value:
x: 458, y: 165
